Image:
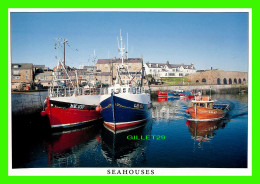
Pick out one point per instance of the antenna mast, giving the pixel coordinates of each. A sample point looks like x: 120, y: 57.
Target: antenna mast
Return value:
x: 64, y: 43
x: 121, y: 49
x: 127, y: 46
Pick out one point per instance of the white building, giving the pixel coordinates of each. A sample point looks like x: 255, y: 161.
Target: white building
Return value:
x: 168, y: 70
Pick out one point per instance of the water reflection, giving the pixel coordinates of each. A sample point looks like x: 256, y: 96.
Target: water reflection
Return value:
x: 169, y: 109
x: 98, y: 147
x: 125, y: 148
x: 204, y: 131
x: 66, y: 147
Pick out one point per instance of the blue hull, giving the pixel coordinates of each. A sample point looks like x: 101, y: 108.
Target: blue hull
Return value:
x: 121, y: 113
x: 174, y: 95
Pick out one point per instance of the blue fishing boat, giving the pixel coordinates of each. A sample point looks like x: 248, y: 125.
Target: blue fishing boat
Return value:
x: 125, y: 104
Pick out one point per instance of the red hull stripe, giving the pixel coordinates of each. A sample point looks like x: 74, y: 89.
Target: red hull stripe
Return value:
x: 73, y: 124
x: 123, y: 125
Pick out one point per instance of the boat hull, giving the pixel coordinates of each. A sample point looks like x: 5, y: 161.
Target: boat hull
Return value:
x: 121, y: 113
x: 202, y: 113
x: 162, y: 93
x: 69, y: 117
x: 187, y: 96
x: 173, y: 95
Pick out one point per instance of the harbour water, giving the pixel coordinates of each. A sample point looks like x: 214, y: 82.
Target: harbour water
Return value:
x: 167, y: 140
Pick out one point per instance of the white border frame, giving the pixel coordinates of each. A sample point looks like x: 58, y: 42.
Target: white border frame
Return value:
x: 157, y: 171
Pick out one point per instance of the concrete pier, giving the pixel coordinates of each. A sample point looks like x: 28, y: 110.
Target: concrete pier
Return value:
x: 215, y: 88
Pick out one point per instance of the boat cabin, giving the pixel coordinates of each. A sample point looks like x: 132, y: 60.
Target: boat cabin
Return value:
x: 205, y: 102
x: 126, y: 89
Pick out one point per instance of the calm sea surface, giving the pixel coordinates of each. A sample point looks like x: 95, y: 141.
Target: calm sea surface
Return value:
x: 171, y: 142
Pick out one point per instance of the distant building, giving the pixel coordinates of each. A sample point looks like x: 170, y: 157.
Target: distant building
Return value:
x: 89, y: 68
x: 40, y: 68
x: 107, y: 68
x: 219, y: 77
x: 169, y: 70
x: 44, y: 79
x: 22, y: 76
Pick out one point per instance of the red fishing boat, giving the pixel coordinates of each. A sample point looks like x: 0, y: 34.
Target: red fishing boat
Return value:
x: 162, y: 93
x: 203, y: 109
x: 66, y: 115
x: 67, y: 104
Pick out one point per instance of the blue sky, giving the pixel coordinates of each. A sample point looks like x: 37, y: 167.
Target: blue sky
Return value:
x: 218, y: 40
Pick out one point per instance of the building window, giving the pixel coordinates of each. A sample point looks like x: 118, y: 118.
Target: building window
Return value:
x: 239, y: 81
x: 26, y: 71
x: 15, y: 72
x: 235, y: 81
x: 203, y: 80
x: 27, y: 77
x: 16, y: 77
x: 180, y: 74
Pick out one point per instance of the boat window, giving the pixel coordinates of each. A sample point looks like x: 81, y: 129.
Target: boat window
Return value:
x: 138, y: 90
x: 202, y: 104
x: 118, y: 90
x: 124, y: 90
x: 134, y: 90
x: 128, y: 90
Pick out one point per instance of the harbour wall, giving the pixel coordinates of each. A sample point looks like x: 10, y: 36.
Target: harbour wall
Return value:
x: 232, y: 89
x: 26, y: 103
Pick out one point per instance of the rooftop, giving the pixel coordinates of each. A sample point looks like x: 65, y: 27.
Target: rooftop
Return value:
x: 161, y: 65
x: 22, y: 65
x: 129, y: 60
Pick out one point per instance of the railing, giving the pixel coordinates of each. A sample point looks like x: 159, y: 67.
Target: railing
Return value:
x: 68, y: 92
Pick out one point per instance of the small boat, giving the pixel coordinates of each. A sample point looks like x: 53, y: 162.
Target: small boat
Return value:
x: 175, y: 94
x: 188, y: 95
x: 162, y: 99
x: 203, y: 109
x: 162, y: 93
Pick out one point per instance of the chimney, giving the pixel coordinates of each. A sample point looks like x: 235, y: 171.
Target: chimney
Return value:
x: 167, y: 62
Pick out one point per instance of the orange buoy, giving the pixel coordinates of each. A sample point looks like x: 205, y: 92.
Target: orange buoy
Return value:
x: 98, y: 108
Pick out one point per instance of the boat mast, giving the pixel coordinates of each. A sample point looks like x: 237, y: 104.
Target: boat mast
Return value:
x: 64, y: 43
x: 121, y: 48
x: 142, y: 75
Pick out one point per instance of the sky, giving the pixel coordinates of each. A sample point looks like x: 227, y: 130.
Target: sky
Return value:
x: 217, y: 40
